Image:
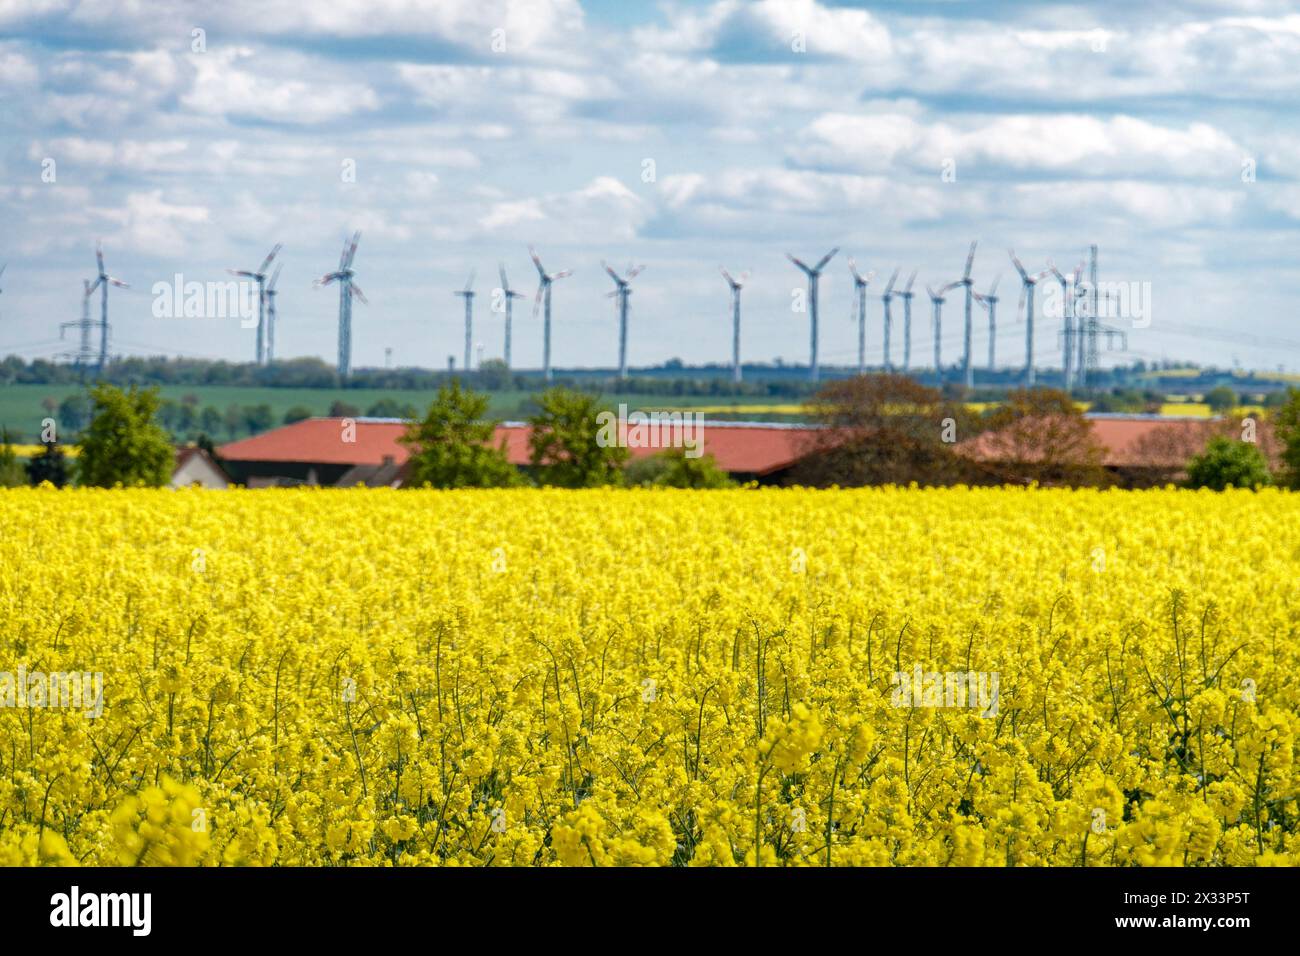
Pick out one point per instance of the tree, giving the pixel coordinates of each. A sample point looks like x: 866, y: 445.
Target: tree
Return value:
x: 258, y: 418
x: 11, y: 473
x: 1041, y: 435
x: 882, y: 429
x: 451, y: 447
x: 210, y: 420
x: 74, y: 412
x: 297, y: 413
x: 122, y: 444
x: 1221, y: 399
x: 494, y: 375
x: 683, y: 472
x: 342, y: 409
x: 391, y: 408
x: 1227, y: 463
x: 233, y: 419
x: 1286, y: 423
x: 50, y: 465
x: 568, y: 449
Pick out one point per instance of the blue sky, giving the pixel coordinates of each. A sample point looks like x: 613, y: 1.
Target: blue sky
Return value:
x: 678, y: 135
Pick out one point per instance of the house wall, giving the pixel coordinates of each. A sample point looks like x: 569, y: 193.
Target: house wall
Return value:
x: 197, y: 470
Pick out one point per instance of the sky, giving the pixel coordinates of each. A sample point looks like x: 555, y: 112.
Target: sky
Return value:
x: 191, y: 137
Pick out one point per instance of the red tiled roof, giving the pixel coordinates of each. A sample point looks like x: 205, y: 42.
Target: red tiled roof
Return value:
x: 320, y: 441
x: 1139, y: 442
x: 737, y: 448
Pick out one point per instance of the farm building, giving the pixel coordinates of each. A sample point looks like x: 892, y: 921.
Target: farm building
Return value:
x: 195, y: 467
x: 1139, y: 451
x: 366, y: 451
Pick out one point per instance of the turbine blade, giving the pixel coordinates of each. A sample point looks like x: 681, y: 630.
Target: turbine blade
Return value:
x: 271, y: 287
x: 266, y: 263
x: 1019, y: 268
x: 907, y: 289
x: 889, y: 289
x: 798, y: 262
x: 970, y: 259
x: 99, y: 256
x: 727, y: 275
x: 537, y: 302
x: 119, y: 283
x: 633, y: 273
x: 240, y: 272
x: 612, y: 274
x: 505, y: 285
x: 994, y: 287
x: 825, y: 259
x: 356, y: 291
x: 563, y: 274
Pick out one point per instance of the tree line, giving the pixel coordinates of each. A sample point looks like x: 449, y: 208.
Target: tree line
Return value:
x: 870, y: 429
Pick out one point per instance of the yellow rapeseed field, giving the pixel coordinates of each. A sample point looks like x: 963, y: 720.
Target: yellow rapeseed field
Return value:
x: 471, y: 678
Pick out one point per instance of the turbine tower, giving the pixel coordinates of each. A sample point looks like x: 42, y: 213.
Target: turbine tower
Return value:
x: 1027, y: 300
x: 259, y: 276
x: 736, y: 286
x: 968, y: 364
x: 886, y: 298
x: 508, y: 295
x: 622, y: 291
x: 544, y: 293
x: 102, y: 282
x: 860, y: 284
x: 347, y: 292
x: 270, y: 315
x: 989, y: 300
x: 936, y: 298
x: 1067, y: 318
x: 906, y: 296
x: 468, y: 293
x: 813, y: 274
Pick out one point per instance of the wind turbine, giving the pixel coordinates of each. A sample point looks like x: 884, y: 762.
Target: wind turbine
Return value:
x: 860, y: 286
x: 813, y: 274
x: 270, y: 315
x: 736, y: 286
x: 347, y: 291
x: 1027, y: 299
x: 622, y: 291
x: 937, y: 299
x: 989, y: 300
x: 544, y: 293
x: 259, y: 276
x: 468, y: 293
x: 102, y: 283
x: 508, y: 295
x: 967, y: 364
x: 887, y: 298
x: 906, y: 296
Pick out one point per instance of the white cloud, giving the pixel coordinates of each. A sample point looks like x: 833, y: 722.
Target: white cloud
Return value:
x: 1064, y: 143
x: 221, y: 87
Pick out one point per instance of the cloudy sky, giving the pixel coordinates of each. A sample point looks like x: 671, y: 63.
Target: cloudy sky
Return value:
x: 190, y: 137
